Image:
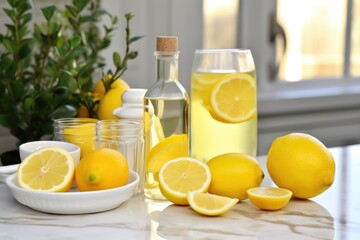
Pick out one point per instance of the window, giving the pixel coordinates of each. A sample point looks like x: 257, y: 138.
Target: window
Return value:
x: 220, y: 23
x: 355, y: 40
x: 320, y: 39
x: 315, y: 39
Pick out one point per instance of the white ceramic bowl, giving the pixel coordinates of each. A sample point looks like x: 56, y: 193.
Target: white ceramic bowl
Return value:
x: 73, y: 202
x: 26, y: 149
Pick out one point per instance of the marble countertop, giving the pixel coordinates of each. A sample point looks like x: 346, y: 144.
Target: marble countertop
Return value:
x: 334, y: 214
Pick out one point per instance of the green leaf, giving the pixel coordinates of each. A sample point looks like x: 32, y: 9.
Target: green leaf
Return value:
x: 26, y: 18
x: 105, y: 43
x: 9, y: 45
x: 5, y: 120
x: 84, y: 19
x: 129, y: 16
x: 11, y: 29
x: 116, y: 59
x: 12, y: 3
x: 136, y: 38
x: 114, y: 20
x: 71, y: 10
x: 43, y: 100
x: 5, y: 63
x: 26, y: 48
x: 52, y: 71
x: 80, y: 4
x: 60, y: 41
x: 65, y: 74
x: 60, y: 51
x: 72, y: 21
x: 75, y: 52
x: 64, y: 112
x: 132, y: 55
x: 28, y: 103
x: 23, y: 30
x: 48, y: 12
x: 60, y: 100
x: 55, y: 29
x: 58, y: 90
x: 75, y: 41
x: 10, y: 13
x: 24, y: 5
x: 18, y: 89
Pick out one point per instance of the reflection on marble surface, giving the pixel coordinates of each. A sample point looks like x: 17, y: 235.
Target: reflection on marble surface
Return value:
x: 298, y: 219
x: 334, y: 214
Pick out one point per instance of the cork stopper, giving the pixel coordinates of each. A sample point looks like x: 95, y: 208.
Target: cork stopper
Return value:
x: 167, y: 44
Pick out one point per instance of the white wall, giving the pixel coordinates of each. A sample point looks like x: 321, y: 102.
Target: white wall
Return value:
x: 158, y: 18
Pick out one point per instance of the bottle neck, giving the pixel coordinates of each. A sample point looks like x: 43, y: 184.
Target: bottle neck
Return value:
x: 167, y: 66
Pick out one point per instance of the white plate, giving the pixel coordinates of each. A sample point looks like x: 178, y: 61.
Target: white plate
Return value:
x: 5, y: 171
x: 73, y: 202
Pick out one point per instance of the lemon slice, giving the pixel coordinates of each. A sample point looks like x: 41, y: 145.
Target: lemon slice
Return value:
x: 233, y: 98
x: 210, y: 204
x: 180, y: 176
x: 269, y: 198
x: 170, y: 148
x: 48, y: 169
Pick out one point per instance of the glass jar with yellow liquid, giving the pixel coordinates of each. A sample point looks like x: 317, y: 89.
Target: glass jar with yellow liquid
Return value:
x: 79, y: 131
x: 223, y: 103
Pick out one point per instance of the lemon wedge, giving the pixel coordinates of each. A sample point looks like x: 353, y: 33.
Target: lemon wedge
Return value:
x: 210, y: 204
x: 269, y: 198
x: 170, y: 148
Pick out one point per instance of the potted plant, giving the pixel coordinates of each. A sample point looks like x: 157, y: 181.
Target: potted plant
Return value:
x: 46, y: 72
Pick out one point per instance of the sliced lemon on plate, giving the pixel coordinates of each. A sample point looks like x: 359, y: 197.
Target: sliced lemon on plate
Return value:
x: 180, y: 176
x: 233, y: 98
x: 170, y: 148
x: 48, y: 169
x: 269, y: 198
x: 210, y: 204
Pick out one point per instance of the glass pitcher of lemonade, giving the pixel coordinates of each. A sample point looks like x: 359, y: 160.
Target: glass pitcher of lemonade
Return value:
x: 223, y: 103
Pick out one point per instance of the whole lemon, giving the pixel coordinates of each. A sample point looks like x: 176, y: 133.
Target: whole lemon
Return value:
x: 232, y: 174
x: 110, y: 101
x: 102, y: 169
x: 301, y: 163
x: 99, y: 89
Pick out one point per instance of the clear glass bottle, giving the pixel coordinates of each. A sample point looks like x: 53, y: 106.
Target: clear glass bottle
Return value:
x: 166, y: 116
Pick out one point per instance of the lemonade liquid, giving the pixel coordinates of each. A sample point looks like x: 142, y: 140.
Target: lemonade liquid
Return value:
x: 166, y: 114
x: 210, y: 137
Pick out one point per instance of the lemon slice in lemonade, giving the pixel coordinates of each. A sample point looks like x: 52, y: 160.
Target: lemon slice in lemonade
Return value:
x: 210, y: 204
x: 180, y: 176
x: 233, y: 98
x: 269, y: 198
x: 48, y: 169
x: 170, y: 148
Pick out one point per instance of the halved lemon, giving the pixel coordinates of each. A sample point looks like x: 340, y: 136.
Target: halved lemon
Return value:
x: 170, y: 148
x: 47, y: 169
x: 210, y: 204
x: 233, y: 98
x: 269, y: 198
x: 180, y: 176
